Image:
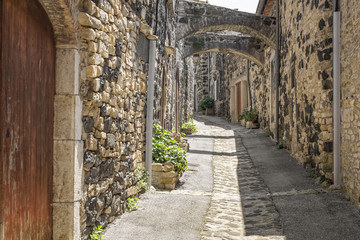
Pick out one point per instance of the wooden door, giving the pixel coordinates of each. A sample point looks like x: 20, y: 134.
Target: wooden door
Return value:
x: 238, y: 98
x: 26, y: 120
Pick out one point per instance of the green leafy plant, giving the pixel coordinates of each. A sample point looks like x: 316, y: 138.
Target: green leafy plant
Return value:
x: 141, y: 176
x: 131, y: 204
x: 242, y: 115
x: 166, y: 149
x: 280, y: 146
x: 197, y: 9
x: 249, y: 116
x: 97, y: 233
x: 198, y: 44
x: 206, y: 102
x: 312, y: 173
x: 189, y: 125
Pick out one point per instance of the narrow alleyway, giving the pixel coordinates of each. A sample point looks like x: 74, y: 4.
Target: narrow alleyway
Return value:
x: 239, y: 186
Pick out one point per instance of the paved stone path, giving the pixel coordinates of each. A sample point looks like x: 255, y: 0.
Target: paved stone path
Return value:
x: 239, y: 186
x: 241, y: 206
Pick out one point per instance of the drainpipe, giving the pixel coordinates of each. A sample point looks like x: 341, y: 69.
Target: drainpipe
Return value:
x: 277, y: 70
x: 248, y: 82
x: 337, y: 95
x: 150, y: 107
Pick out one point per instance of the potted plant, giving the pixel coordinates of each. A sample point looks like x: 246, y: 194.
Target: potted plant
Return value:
x: 251, y: 119
x: 207, y: 105
x: 188, y: 127
x: 241, y: 118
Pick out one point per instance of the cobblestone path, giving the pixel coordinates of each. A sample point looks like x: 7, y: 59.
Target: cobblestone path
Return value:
x: 241, y: 206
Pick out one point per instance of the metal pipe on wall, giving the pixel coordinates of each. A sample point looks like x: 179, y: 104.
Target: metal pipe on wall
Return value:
x: 337, y: 95
x: 277, y: 70
x: 248, y: 82
x: 150, y: 108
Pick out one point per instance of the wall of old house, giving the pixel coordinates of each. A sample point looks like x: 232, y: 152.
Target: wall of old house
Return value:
x: 306, y: 82
x: 219, y: 88
x: 305, y: 91
x: 235, y: 72
x: 202, y: 76
x: 164, y: 27
x: 350, y: 120
x: 114, y: 57
x: 263, y: 91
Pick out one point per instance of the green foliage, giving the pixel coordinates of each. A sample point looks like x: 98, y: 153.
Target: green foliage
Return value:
x: 312, y: 173
x: 189, y: 125
x: 248, y: 115
x: 97, y: 233
x: 225, y: 118
x: 206, y: 102
x: 197, y: 9
x: 267, y: 134
x: 131, y: 204
x: 198, y: 44
x: 141, y: 176
x: 166, y: 149
x: 280, y: 146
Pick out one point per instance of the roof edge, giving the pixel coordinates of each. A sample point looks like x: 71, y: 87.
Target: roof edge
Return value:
x: 261, y: 7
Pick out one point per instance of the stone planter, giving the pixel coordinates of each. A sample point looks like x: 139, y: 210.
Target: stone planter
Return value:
x: 187, y: 131
x: 209, y: 111
x: 252, y: 125
x: 184, y: 145
x: 243, y: 122
x: 164, y: 177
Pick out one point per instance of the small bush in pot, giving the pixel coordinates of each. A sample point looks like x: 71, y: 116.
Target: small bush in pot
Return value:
x: 166, y: 149
x: 206, y: 102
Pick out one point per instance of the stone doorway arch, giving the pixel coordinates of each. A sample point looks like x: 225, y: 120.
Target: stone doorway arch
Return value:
x: 68, y: 146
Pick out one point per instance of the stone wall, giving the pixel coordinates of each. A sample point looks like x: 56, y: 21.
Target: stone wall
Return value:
x: 165, y: 23
x: 113, y: 89
x: 350, y: 98
x: 187, y: 91
x: 263, y: 92
x: 202, y: 77
x: 306, y: 82
x: 305, y: 91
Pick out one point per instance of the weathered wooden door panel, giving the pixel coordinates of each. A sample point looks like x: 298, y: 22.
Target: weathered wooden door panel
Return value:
x: 26, y: 120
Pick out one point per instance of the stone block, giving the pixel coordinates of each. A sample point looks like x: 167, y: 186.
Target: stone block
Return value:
x: 171, y: 174
x: 67, y: 117
x: 68, y: 169
x: 168, y: 167
x: 66, y: 221
x: 93, y: 71
x: 132, y: 191
x: 67, y: 71
x: 169, y: 186
x: 89, y: 21
x: 168, y: 180
x: 157, y: 167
